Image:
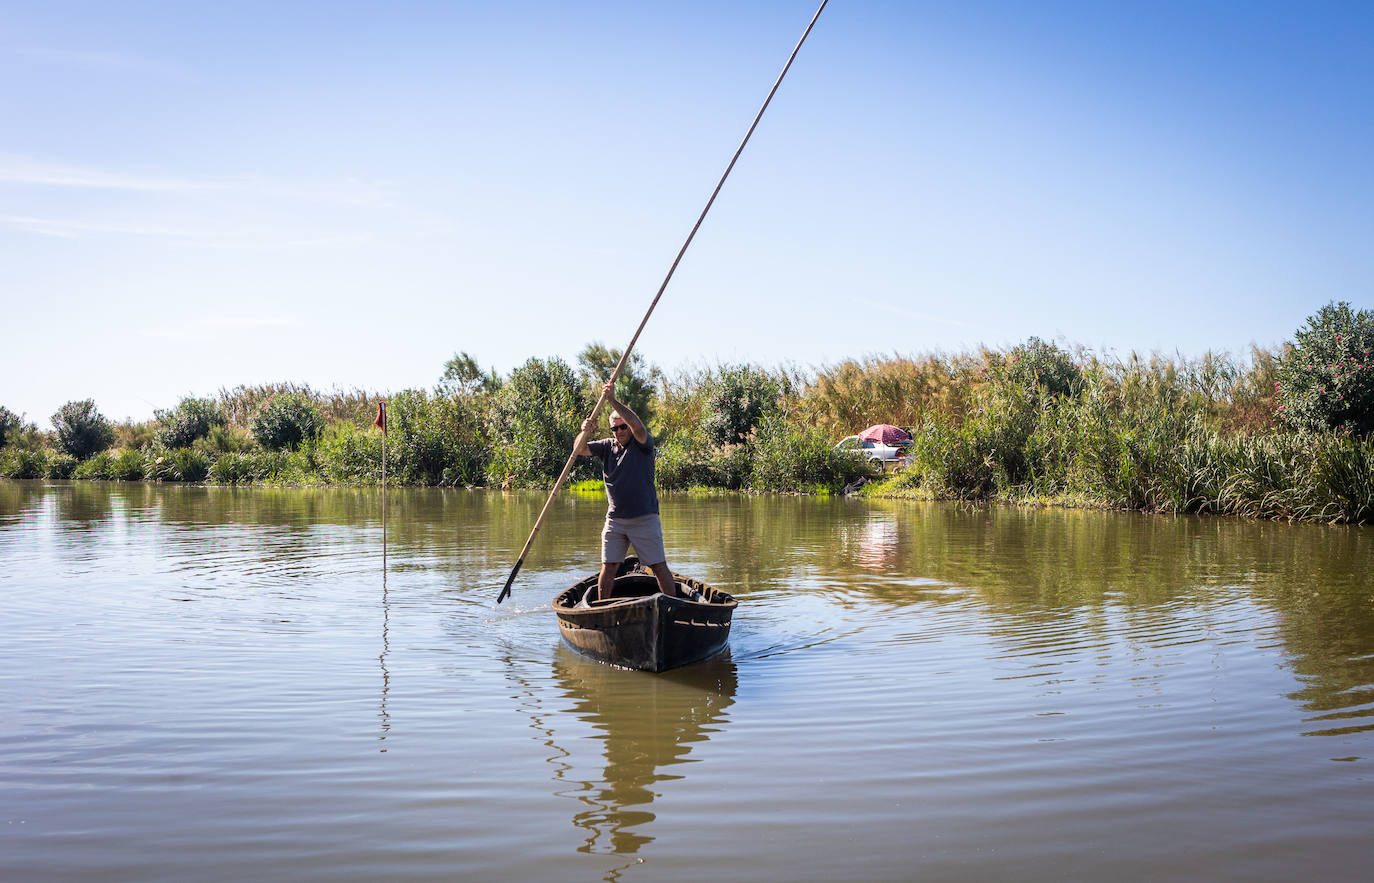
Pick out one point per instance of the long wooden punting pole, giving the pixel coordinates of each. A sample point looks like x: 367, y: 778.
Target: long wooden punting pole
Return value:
x: 625, y: 356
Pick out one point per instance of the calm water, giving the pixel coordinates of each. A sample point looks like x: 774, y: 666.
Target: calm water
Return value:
x: 219, y: 684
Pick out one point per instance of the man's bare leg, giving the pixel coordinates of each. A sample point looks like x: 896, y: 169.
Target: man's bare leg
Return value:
x: 666, y: 584
x: 604, y: 581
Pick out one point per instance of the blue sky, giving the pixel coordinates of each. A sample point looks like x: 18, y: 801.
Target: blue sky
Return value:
x: 346, y: 194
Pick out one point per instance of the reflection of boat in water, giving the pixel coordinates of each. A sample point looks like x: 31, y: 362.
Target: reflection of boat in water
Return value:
x: 646, y: 723
x: 639, y: 627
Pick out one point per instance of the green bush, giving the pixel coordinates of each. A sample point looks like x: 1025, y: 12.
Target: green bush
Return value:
x: 634, y: 387
x: 174, y: 464
x: 1038, y: 367
x: 10, y: 425
x: 1326, y: 380
x: 225, y: 439
x: 96, y: 468
x: 534, y: 420
x: 191, y: 420
x: 685, y: 461
x: 1340, y: 483
x: 791, y: 458
x: 23, y: 463
x: 58, y: 465
x: 127, y: 465
x: 232, y: 468
x: 135, y: 435
x: 286, y: 421
x: 945, y: 460
x: 688, y: 461
x: 299, y: 467
x: 988, y: 454
x: 350, y: 455
x: 463, y: 377
x: 733, y: 466
x: 737, y: 398
x: 81, y: 430
x: 438, y: 441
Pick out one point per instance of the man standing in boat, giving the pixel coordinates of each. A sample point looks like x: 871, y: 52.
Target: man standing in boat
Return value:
x: 627, y: 464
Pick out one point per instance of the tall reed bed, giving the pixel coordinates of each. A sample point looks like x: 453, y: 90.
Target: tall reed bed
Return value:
x: 1032, y: 423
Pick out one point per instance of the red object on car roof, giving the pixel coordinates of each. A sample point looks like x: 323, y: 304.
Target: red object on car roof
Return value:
x: 885, y: 433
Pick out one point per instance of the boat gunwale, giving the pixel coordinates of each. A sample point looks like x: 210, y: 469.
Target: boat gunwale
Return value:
x: 564, y: 604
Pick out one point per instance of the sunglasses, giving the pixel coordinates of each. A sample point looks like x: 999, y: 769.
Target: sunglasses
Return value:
x: 620, y: 426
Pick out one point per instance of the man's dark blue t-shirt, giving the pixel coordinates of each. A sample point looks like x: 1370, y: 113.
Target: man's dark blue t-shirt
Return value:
x: 629, y: 474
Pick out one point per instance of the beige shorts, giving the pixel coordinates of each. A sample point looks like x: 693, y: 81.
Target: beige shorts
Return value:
x: 644, y: 532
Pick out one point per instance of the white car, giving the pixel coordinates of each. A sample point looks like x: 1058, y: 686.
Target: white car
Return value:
x: 887, y: 456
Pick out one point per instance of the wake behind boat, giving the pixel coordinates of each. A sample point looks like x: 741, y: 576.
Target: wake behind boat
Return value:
x: 639, y: 627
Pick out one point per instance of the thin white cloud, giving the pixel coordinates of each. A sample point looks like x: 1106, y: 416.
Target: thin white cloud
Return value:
x: 73, y: 229
x: 204, y: 238
x: 100, y: 60
x: 22, y: 170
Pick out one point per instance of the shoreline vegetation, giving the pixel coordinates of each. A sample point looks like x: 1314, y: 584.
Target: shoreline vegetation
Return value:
x: 1285, y: 433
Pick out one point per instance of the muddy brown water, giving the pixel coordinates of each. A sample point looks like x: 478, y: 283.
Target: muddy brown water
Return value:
x: 224, y: 684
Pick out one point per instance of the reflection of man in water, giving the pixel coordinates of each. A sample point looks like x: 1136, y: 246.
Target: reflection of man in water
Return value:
x: 648, y: 726
x: 627, y: 465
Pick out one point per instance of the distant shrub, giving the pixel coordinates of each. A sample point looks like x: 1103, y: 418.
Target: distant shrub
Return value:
x: 1039, y: 367
x: 191, y: 465
x: 439, y: 441
x: 225, y: 439
x: 232, y: 468
x: 349, y: 455
x: 1326, y: 380
x: 792, y: 458
x: 190, y: 420
x: 10, y: 425
x: 23, y: 462
x: 135, y: 435
x: 81, y: 430
x: 56, y: 465
x: 685, y: 461
x: 97, y: 468
x: 736, y: 400
x: 286, y: 421
x: 635, y: 386
x: 947, y: 461
x: 161, y: 463
x: 463, y: 377
x: 534, y: 420
x: 127, y: 465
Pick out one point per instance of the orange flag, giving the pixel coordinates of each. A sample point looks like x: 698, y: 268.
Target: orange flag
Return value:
x: 380, y: 422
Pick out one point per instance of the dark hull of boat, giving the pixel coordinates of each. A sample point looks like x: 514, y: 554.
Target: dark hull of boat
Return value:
x: 640, y: 627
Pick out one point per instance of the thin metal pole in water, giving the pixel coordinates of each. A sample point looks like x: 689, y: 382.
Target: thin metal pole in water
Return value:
x: 625, y: 356
x: 380, y: 423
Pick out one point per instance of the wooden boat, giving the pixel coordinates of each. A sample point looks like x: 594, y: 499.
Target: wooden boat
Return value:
x: 639, y: 627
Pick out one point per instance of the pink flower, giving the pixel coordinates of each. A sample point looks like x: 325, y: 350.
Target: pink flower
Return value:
x: 1280, y: 408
